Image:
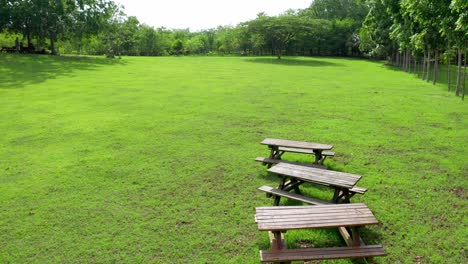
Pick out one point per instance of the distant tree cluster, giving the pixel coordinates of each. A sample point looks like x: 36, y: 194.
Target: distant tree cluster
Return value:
x: 418, y: 35
x: 327, y: 27
x: 47, y: 21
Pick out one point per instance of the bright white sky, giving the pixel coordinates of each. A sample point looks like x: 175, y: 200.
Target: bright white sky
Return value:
x: 204, y: 14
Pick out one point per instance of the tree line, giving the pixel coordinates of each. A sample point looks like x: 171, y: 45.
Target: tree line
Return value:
x: 418, y: 35
x: 327, y: 27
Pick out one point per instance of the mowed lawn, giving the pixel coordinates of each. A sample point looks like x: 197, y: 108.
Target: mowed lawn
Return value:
x: 151, y: 160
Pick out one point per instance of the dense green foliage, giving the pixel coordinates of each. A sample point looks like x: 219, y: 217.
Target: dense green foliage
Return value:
x: 55, y: 19
x: 151, y: 159
x: 327, y: 27
x: 410, y: 31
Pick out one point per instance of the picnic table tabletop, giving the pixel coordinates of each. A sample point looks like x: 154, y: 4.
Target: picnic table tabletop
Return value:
x: 318, y: 176
x: 282, y: 218
x: 295, y: 144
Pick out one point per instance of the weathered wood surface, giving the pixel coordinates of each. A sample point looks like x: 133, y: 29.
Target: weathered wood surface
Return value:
x: 306, y: 254
x: 292, y: 196
x: 295, y: 144
x: 359, y: 190
x: 283, y: 218
x: 343, y: 231
x: 314, y: 175
x: 276, y: 161
x: 306, y: 151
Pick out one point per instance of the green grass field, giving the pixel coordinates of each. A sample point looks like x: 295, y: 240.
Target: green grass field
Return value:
x: 151, y: 160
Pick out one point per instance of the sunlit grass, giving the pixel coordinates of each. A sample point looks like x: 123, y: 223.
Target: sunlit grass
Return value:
x: 151, y: 159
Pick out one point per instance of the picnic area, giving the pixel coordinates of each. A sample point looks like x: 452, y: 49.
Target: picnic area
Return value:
x: 228, y: 160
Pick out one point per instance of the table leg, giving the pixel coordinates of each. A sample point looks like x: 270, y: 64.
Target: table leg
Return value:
x: 292, y: 184
x: 277, y: 242
x: 277, y: 199
x: 336, y: 195
x: 356, y: 240
x: 341, y: 196
x: 274, y: 154
x: 318, y: 156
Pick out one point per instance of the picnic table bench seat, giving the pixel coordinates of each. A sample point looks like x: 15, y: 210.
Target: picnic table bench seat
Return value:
x: 276, y: 161
x: 294, y: 196
x: 307, y: 254
x: 290, y: 195
x: 306, y: 151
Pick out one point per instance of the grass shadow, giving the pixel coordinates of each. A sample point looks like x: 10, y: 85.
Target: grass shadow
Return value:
x: 291, y: 61
x: 18, y: 70
x: 442, y: 74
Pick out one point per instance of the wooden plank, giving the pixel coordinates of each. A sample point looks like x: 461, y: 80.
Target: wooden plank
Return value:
x: 296, y: 150
x: 359, y: 190
x: 307, y: 254
x: 276, y: 161
x: 314, y: 224
x: 292, y: 168
x: 342, y: 230
x: 292, y: 196
x: 306, y: 151
x: 312, y: 213
x: 314, y: 175
x: 306, y: 217
x: 327, y: 207
x: 346, y: 236
x: 295, y: 144
x: 319, y: 216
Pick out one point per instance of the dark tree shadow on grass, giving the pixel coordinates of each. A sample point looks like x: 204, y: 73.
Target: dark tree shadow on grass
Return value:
x: 291, y: 61
x: 18, y: 70
x: 442, y: 76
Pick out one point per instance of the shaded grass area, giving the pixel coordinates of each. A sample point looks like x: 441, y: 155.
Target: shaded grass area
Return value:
x: 294, y: 61
x: 151, y: 159
x: 18, y: 71
x: 442, y: 76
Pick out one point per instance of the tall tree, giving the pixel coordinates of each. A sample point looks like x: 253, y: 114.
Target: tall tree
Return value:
x: 277, y: 32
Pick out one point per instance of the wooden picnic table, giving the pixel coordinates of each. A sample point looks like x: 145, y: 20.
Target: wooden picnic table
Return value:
x: 278, y: 219
x: 294, y: 175
x: 279, y: 146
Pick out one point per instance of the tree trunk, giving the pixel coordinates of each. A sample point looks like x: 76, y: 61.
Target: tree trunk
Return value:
x: 399, y: 60
x: 428, y: 69
x: 409, y: 63
x: 457, y: 89
x: 405, y: 56
x: 408, y: 59
x: 17, y: 45
x: 403, y: 61
x: 436, y: 66
x: 416, y: 66
x: 423, y: 76
x: 448, y: 67
x: 464, y: 78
